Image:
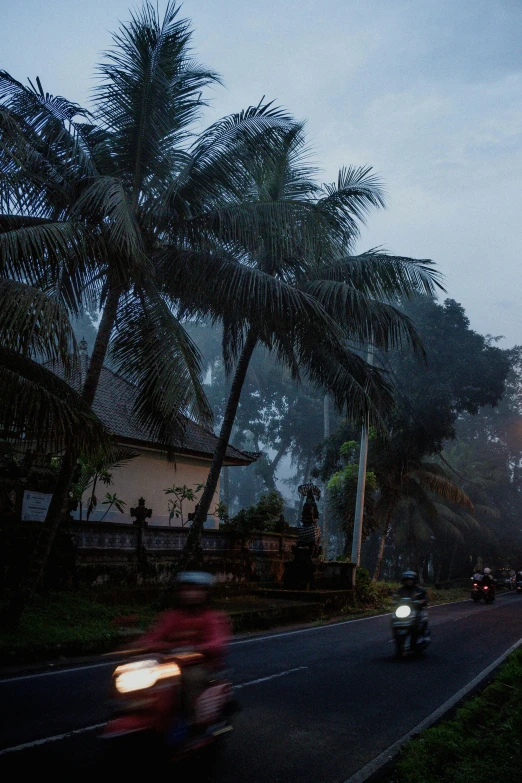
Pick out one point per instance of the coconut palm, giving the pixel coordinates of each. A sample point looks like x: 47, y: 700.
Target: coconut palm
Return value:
x: 304, y: 236
x: 416, y: 499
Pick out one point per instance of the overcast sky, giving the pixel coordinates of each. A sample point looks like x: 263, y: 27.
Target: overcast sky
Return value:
x: 428, y: 92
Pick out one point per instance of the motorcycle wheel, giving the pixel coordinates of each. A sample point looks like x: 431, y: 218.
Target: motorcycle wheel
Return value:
x: 399, y: 648
x: 475, y: 598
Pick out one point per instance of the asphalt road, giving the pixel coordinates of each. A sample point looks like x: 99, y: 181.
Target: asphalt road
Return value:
x: 318, y: 703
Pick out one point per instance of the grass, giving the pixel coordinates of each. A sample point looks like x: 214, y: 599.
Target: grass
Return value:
x: 482, y: 743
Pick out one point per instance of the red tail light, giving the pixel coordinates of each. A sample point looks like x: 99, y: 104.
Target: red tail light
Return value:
x: 486, y: 587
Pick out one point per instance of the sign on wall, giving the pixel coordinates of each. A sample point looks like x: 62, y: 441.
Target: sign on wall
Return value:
x: 34, y: 506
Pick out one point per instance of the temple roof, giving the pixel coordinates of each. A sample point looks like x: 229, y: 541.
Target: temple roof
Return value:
x: 114, y: 402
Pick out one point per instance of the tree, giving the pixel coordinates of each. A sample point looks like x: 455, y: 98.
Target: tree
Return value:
x: 305, y: 234
x: 463, y: 373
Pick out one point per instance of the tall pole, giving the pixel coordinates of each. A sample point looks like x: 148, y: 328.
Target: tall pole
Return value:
x: 361, y: 486
x: 326, y: 412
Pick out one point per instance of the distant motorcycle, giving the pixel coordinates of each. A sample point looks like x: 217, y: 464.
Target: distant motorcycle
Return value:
x: 409, y: 628
x: 518, y: 584
x: 148, y: 716
x: 480, y: 592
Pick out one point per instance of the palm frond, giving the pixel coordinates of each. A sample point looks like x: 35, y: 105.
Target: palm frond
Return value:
x: 42, y: 411
x: 443, y: 487
x: 365, y: 320
x: 346, y: 203
x: 152, y: 351
x: 382, y: 276
x: 35, y: 325
x: 150, y: 90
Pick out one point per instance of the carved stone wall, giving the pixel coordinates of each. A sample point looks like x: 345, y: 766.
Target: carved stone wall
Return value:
x: 106, y: 553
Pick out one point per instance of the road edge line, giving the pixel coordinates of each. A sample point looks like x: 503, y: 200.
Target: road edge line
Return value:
x: 365, y: 773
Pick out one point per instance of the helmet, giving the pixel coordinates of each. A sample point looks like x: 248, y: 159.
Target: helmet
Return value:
x: 487, y: 570
x: 199, y: 578
x: 409, y: 575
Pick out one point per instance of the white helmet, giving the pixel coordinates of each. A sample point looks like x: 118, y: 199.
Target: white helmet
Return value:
x: 487, y: 570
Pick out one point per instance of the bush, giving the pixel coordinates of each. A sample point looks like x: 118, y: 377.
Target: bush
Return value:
x: 263, y: 516
x: 371, y: 594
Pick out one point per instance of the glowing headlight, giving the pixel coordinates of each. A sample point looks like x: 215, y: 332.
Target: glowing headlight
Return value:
x: 403, y: 611
x: 138, y: 675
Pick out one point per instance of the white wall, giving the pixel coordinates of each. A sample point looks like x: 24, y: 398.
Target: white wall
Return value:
x: 147, y: 476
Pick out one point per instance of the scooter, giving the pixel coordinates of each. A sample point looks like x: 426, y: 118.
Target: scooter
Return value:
x: 148, y: 715
x: 481, y: 592
x: 410, y: 633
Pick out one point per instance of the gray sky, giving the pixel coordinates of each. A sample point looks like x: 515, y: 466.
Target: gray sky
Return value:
x: 428, y: 92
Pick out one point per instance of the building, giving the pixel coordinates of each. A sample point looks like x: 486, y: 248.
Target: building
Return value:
x: 151, y: 472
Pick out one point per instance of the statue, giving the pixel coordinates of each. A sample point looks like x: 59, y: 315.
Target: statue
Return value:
x: 141, y: 513
x: 309, y: 533
x: 299, y: 572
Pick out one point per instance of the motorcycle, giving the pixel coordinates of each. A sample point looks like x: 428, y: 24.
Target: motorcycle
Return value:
x: 409, y: 628
x: 148, y: 710
x: 481, y: 592
x: 518, y: 584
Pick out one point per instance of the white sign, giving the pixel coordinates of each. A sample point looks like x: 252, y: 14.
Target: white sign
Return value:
x: 35, y: 505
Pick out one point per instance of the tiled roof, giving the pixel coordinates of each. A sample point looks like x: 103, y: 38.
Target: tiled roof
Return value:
x: 113, y: 405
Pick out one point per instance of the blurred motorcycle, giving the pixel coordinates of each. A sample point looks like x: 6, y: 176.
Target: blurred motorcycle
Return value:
x: 409, y: 628
x: 481, y: 592
x: 149, y: 712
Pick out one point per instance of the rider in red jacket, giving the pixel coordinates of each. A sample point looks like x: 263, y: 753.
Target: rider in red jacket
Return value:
x: 193, y: 625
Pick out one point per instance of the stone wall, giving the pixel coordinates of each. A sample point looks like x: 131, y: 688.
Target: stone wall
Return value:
x: 94, y: 553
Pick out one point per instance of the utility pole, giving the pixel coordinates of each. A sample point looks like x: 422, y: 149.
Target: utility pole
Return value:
x: 361, y: 486
x: 326, y: 411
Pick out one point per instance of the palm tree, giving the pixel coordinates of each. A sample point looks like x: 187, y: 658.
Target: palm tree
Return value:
x: 418, y: 494
x: 304, y: 237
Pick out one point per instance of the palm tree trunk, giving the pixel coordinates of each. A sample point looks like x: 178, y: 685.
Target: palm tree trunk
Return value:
x: 382, y: 544
x: 59, y: 501
x: 192, y: 550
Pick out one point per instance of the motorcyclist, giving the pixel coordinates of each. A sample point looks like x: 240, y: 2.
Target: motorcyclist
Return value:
x: 194, y: 625
x: 487, y: 580
x: 411, y: 589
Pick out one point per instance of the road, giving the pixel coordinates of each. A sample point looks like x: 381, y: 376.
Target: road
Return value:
x: 319, y: 703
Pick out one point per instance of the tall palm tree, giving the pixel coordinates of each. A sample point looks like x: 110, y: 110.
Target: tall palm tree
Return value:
x: 304, y: 237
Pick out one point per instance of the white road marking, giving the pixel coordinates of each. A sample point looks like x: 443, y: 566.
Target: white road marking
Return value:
x: 271, y: 677
x: 250, y: 640
x: 57, y: 671
x: 35, y: 743
x: 383, y: 758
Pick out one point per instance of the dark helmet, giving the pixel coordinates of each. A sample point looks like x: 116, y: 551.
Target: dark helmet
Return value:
x: 409, y: 575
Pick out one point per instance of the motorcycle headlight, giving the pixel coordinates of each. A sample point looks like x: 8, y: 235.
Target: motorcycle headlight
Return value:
x: 138, y: 675
x: 403, y: 611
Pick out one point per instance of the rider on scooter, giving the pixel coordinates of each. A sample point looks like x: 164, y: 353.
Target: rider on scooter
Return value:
x: 488, y: 580
x: 194, y: 625
x: 411, y: 589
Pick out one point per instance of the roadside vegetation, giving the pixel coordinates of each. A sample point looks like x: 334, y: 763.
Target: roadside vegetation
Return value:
x: 79, y: 623
x: 483, y: 742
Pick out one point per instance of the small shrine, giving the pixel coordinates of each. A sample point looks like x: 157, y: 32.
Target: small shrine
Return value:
x: 299, y: 572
